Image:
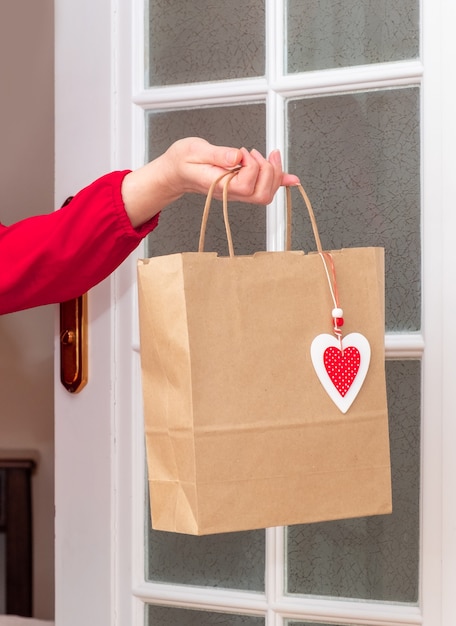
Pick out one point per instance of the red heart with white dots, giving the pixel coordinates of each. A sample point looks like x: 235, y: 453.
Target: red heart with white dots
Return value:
x: 341, y: 368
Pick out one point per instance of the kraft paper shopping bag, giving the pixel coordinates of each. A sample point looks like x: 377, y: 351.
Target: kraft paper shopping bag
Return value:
x: 264, y: 386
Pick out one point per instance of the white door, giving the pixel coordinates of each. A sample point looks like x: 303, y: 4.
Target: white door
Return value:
x: 358, y: 96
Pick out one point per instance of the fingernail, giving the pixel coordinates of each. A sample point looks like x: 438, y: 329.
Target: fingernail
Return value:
x: 276, y: 156
x: 232, y: 157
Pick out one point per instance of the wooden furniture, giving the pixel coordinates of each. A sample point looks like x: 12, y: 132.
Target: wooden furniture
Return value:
x: 16, y: 523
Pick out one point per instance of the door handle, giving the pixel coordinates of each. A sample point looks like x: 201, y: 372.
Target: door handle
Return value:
x: 73, y: 344
x: 73, y: 340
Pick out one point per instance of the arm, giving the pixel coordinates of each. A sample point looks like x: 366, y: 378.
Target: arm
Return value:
x: 190, y: 166
x: 56, y: 257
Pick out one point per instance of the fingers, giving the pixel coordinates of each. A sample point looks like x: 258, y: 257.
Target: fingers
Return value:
x: 194, y: 163
x: 289, y: 180
x: 259, y: 178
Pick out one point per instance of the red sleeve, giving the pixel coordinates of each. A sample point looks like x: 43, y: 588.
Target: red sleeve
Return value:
x: 56, y: 257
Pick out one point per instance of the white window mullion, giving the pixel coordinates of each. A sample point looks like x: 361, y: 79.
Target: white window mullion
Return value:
x: 404, y: 345
x: 445, y: 276
x: 275, y: 134
x: 350, y: 612
x: 275, y: 568
x: 275, y: 43
x: 138, y: 72
x: 202, y: 94
x: 275, y: 116
x: 348, y: 79
x: 203, y: 598
x: 343, y: 80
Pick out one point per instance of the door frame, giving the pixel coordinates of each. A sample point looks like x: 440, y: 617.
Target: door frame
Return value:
x: 441, y: 345
x: 85, y: 423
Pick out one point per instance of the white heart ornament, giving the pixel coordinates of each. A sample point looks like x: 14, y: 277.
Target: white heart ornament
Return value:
x: 341, y: 372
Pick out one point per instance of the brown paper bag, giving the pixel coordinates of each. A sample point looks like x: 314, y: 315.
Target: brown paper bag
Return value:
x: 240, y: 431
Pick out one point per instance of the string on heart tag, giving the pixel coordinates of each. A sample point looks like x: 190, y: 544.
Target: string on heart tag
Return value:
x: 341, y: 363
x: 337, y: 313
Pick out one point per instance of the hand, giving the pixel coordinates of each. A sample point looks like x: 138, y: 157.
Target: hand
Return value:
x: 190, y: 166
x: 195, y: 164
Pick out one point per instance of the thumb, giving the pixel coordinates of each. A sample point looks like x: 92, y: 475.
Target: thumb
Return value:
x: 290, y: 180
x: 232, y: 157
x: 219, y: 156
x: 196, y: 150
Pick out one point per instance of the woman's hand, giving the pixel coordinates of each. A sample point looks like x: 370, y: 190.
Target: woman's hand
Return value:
x: 190, y: 166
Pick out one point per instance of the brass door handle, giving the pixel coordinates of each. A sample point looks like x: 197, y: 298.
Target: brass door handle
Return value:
x: 73, y: 344
x: 73, y: 340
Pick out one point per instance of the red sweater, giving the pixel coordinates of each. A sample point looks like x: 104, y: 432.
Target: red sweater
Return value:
x: 55, y: 257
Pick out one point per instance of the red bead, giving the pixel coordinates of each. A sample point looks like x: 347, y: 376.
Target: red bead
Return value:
x: 339, y: 321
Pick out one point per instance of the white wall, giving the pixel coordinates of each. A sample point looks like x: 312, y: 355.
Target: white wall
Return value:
x: 26, y: 188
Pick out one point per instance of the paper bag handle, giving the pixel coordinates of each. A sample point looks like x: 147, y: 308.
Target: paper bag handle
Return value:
x: 313, y: 221
x: 229, y: 176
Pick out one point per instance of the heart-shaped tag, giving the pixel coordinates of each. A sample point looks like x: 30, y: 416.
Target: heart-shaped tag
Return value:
x: 341, y: 372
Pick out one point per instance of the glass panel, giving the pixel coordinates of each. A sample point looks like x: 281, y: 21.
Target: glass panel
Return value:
x: 358, y: 157
x: 165, y: 616
x: 231, y: 560
x: 180, y: 224
x: 326, y: 34
x: 205, y: 40
x: 374, y: 558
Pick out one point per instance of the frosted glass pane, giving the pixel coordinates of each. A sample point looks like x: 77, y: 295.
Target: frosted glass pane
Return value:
x: 336, y: 33
x: 164, y: 616
x: 205, y: 40
x: 231, y: 560
x: 179, y: 226
x: 358, y: 157
x: 373, y: 558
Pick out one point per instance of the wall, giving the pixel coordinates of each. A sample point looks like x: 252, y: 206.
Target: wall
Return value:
x: 26, y: 338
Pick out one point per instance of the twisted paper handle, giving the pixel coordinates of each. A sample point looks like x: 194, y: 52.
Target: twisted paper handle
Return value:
x: 229, y: 175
